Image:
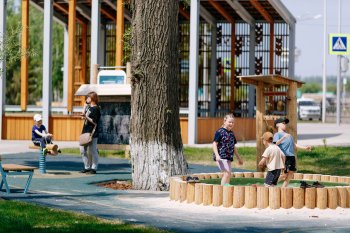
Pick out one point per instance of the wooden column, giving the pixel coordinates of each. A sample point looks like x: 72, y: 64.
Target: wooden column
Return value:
x: 298, y: 198
x: 177, y: 190
x: 333, y: 178
x: 321, y: 198
x: 227, y: 196
x: 83, y: 57
x: 291, y: 113
x: 250, y: 197
x: 317, y: 177
x: 258, y: 175
x: 183, y: 191
x: 275, y: 197
x: 260, y: 125
x: 217, y: 195
x: 248, y: 174
x: 332, y: 196
x: 348, y: 197
x: 238, y: 174
x: 71, y: 53
x: 310, y: 198
x: 24, y: 59
x: 342, y: 196
x: 190, y: 192
x: 298, y: 176
x: 308, y: 176
x: 262, y: 197
x: 213, y: 175
x: 207, y: 194
x: 120, y: 31
x: 325, y: 178
x: 238, y: 196
x: 287, y: 197
x: 198, y: 196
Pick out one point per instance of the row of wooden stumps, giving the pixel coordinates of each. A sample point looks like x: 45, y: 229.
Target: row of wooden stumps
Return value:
x: 260, y: 197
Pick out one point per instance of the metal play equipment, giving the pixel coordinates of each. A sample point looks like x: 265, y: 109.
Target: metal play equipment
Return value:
x: 52, y: 150
x: 265, y: 88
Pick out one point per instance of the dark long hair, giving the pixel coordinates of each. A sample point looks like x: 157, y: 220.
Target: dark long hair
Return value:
x: 94, y: 97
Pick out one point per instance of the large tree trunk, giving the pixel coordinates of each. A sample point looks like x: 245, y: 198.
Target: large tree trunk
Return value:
x: 155, y: 138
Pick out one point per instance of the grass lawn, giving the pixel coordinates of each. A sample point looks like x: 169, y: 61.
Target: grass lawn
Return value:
x: 321, y: 159
x: 18, y: 217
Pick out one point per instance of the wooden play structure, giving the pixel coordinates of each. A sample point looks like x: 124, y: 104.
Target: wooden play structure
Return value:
x: 261, y: 197
x: 265, y: 85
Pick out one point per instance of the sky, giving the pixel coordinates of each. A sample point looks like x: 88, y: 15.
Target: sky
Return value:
x: 309, y: 33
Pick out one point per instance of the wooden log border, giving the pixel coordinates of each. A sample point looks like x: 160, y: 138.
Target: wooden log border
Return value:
x: 248, y: 196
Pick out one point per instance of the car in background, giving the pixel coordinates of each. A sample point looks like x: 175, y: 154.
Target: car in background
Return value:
x: 309, y: 109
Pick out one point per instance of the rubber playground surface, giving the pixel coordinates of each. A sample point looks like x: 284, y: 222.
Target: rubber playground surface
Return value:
x: 66, y: 189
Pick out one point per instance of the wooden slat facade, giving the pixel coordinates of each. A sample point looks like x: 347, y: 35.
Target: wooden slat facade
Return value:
x: 68, y: 128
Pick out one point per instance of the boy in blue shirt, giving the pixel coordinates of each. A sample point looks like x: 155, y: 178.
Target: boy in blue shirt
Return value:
x: 40, y: 136
x: 286, y: 144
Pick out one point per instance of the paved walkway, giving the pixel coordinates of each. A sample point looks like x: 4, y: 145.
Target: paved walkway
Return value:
x: 66, y: 189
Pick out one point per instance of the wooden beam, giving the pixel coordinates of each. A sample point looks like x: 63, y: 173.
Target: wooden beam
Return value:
x: 292, y: 114
x: 24, y: 59
x: 260, y: 123
x: 222, y: 11
x: 83, y: 57
x: 262, y: 11
x: 249, y: 81
x: 185, y: 13
x: 65, y: 10
x: 120, y: 31
x: 71, y: 53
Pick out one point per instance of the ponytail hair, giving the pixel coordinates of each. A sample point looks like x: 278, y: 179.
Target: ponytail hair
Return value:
x: 227, y: 117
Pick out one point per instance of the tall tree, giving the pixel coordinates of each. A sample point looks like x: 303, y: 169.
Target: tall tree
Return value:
x: 155, y: 138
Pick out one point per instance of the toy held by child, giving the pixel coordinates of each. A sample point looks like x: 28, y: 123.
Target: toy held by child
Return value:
x: 274, y: 158
x: 224, y: 148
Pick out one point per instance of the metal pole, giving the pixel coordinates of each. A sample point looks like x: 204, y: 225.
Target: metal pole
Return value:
x: 65, y: 68
x: 193, y: 82
x: 251, y: 102
x: 324, y: 61
x: 95, y: 34
x: 3, y: 20
x: 213, y: 71
x: 339, y: 69
x: 47, y: 62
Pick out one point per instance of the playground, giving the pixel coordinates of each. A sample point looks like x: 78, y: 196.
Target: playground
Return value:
x: 64, y: 188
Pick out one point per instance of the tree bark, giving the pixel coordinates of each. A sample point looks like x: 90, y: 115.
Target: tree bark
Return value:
x: 156, y: 147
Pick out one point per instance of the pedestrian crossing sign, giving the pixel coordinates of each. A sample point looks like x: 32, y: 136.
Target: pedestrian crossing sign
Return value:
x: 339, y: 44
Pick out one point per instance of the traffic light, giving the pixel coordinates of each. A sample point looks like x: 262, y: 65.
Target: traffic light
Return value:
x: 218, y: 66
x: 218, y: 97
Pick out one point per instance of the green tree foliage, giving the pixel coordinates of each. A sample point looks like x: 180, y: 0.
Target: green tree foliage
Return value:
x: 314, y: 84
x: 35, y: 72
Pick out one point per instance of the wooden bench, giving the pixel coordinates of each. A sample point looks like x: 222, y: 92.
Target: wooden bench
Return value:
x: 15, y: 169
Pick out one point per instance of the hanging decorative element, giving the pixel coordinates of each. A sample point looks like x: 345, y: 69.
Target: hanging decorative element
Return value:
x: 270, y: 108
x: 258, y: 65
x: 278, y: 46
x: 269, y: 128
x: 280, y: 106
x: 239, y: 44
x: 258, y: 34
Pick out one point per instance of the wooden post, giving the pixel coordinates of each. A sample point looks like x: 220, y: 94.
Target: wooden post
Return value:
x: 201, y: 176
x: 128, y: 72
x: 238, y: 196
x: 71, y: 53
x: 120, y: 31
x: 262, y: 197
x: 220, y: 174
x: 24, y: 59
x: 317, y: 177
x: 232, y: 174
x: 310, y: 198
x: 342, y: 179
x: 83, y: 57
x: 183, y: 191
x: 207, y: 194
x: 260, y: 125
x: 250, y: 197
x: 291, y: 113
x: 332, y: 197
x: 227, y: 196
x: 326, y: 178
x: 342, y: 195
x: 348, y: 180
x: 265, y: 174
x: 334, y: 179
x: 190, y: 192
x: 275, y: 197
x: 217, y: 195
x: 94, y: 70
x: 198, y: 197
x: 172, y: 188
x: 177, y: 190
x: 213, y: 175
x: 207, y: 176
x: 298, y: 176
x: 308, y: 176
x: 287, y: 197
x: 321, y: 197
x: 238, y: 174
x: 298, y: 198
x: 248, y: 174
x: 348, y: 197
x: 258, y: 175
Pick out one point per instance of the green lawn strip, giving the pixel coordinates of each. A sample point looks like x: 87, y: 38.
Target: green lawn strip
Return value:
x: 321, y: 160
x: 23, y: 217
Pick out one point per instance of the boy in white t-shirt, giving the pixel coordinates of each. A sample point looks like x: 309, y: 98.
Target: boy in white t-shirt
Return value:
x: 274, y: 158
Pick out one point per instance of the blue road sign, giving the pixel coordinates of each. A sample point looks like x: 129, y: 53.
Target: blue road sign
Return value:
x: 339, y: 44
